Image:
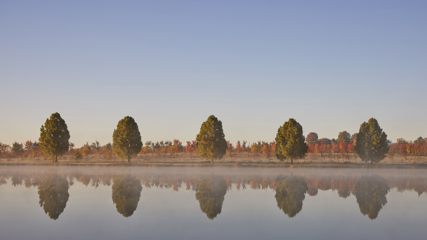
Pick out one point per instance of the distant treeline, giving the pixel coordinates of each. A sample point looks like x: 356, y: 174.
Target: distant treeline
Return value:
x: 370, y: 143
x: 324, y: 147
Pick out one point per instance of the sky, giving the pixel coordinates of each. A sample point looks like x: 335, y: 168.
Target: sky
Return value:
x: 331, y: 65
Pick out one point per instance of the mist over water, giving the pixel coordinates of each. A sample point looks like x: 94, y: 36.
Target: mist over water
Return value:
x: 211, y: 203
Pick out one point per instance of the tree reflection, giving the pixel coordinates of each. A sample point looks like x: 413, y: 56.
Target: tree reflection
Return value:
x: 290, y: 192
x: 210, y: 193
x: 312, y: 191
x: 16, y: 180
x: 343, y: 189
x: 371, y: 195
x: 126, y: 194
x: 53, y: 194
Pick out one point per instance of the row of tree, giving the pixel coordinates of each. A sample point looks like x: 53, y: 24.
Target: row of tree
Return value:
x: 176, y: 148
x: 328, y: 150
x: 370, y: 143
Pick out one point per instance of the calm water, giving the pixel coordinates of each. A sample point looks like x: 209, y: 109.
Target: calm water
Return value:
x: 211, y: 203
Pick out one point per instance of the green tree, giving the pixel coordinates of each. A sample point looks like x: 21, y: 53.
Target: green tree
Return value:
x: 290, y: 192
x: 290, y: 142
x: 54, y: 137
x: 371, y: 194
x: 126, y: 194
x: 127, y: 139
x: 210, y: 193
x: 53, y: 194
x: 211, y: 142
x: 343, y: 136
x: 371, y: 142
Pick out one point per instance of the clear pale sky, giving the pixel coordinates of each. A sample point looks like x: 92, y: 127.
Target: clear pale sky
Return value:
x: 331, y: 65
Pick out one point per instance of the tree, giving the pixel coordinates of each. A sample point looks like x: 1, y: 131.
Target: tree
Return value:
x: 290, y: 192
x: 290, y: 143
x: 17, y: 149
x: 85, y: 150
x: 127, y: 139
x: 210, y: 193
x: 53, y: 194
x: 28, y: 146
x: 420, y: 141
x: 211, y: 143
x: 108, y: 150
x: 325, y: 141
x: 312, y: 138
x: 126, y: 194
x: 371, y: 142
x: 54, y: 137
x: 371, y: 194
x: 343, y: 137
x: 344, y: 149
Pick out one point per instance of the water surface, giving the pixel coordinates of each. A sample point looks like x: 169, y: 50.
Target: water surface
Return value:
x: 211, y: 203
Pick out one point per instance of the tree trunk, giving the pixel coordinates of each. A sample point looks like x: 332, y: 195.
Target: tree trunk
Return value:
x: 128, y: 159
x: 56, y: 158
x: 292, y: 161
x: 372, y: 162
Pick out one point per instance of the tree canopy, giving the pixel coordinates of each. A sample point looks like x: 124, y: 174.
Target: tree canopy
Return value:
x: 353, y: 138
x: 211, y: 143
x: 371, y: 142
x: 54, y: 137
x: 343, y: 136
x: 325, y: 141
x: 312, y: 138
x: 290, y: 141
x: 420, y: 141
x: 127, y: 139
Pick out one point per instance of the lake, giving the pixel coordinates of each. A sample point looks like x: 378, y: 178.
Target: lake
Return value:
x: 211, y: 203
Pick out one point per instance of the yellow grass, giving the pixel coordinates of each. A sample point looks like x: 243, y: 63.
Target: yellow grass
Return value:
x: 239, y: 160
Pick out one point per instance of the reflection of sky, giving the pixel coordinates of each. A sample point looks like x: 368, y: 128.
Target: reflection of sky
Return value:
x: 253, y: 64
x: 246, y: 214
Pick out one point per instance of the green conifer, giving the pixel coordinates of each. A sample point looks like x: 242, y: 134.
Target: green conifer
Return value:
x: 211, y: 142
x: 54, y: 137
x: 290, y: 141
x: 127, y: 139
x: 371, y: 142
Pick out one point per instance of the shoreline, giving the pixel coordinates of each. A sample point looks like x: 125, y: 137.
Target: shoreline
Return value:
x: 225, y: 164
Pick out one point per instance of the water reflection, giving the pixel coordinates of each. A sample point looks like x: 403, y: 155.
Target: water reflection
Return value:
x: 53, y: 194
x: 210, y: 193
x: 290, y: 190
x: 126, y: 194
x: 370, y: 194
x: 344, y: 189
